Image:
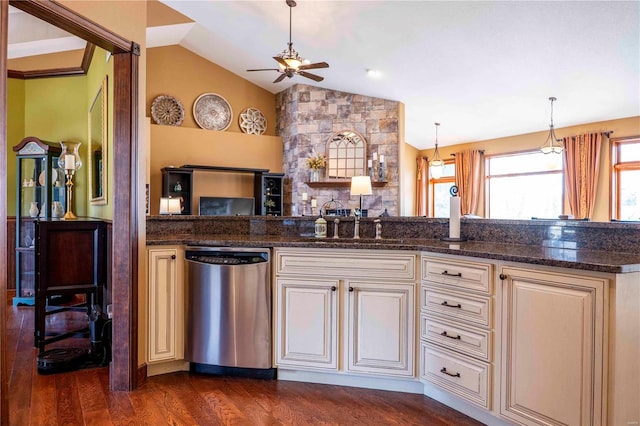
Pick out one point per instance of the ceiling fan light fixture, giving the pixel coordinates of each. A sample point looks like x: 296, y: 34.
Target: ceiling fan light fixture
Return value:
x: 552, y: 144
x: 290, y: 62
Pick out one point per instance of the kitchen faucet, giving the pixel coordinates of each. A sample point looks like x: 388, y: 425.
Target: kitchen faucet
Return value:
x: 356, y: 228
x: 336, y: 221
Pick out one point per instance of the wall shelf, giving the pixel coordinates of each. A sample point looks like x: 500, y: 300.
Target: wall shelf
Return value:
x: 341, y: 184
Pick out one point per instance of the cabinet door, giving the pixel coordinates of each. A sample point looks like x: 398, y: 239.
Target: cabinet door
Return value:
x: 166, y: 311
x: 552, y: 347
x: 381, y: 328
x: 306, y: 323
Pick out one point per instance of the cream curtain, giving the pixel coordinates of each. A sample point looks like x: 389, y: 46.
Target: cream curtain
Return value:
x: 469, y: 174
x: 422, y: 186
x: 581, y: 157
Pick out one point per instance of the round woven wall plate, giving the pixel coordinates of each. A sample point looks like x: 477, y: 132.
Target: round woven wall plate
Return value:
x: 212, y: 112
x: 167, y: 110
x: 252, y: 121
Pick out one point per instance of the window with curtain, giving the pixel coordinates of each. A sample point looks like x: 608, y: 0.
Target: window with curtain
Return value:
x: 524, y: 185
x: 439, y: 190
x: 625, y: 191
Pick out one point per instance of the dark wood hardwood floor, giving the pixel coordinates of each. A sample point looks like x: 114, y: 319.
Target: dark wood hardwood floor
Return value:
x: 83, y: 397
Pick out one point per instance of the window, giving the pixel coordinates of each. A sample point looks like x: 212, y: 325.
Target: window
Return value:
x: 625, y: 191
x: 524, y: 185
x: 439, y: 190
x: 346, y: 155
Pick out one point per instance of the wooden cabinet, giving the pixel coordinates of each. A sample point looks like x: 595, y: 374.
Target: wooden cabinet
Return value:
x: 553, y: 328
x: 177, y: 182
x: 40, y: 195
x: 345, y: 310
x: 165, y: 304
x: 456, y: 327
x: 268, y: 193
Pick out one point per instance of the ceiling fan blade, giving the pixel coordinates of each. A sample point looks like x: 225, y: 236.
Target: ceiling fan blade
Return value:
x: 280, y: 78
x: 311, y: 76
x: 281, y: 61
x: 314, y: 66
x: 266, y: 69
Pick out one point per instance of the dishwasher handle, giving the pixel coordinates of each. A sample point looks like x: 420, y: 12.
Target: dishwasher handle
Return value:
x: 226, y: 257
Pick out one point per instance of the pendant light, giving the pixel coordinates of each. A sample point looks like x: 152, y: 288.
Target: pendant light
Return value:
x: 552, y: 144
x: 436, y: 164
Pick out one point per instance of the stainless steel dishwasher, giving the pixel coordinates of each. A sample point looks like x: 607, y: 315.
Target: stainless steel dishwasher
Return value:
x: 229, y: 311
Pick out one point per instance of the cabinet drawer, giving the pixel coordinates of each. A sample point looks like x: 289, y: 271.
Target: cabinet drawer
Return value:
x: 456, y: 273
x: 462, y: 338
x: 458, y: 374
x: 346, y: 264
x: 450, y: 304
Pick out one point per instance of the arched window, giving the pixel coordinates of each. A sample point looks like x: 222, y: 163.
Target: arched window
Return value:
x: 346, y: 155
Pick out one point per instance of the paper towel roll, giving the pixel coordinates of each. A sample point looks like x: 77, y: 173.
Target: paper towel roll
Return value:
x: 454, y: 217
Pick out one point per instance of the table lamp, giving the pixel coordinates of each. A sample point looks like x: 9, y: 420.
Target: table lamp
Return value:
x: 361, y: 185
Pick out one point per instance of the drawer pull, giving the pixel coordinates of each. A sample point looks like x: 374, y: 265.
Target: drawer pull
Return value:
x: 459, y: 274
x: 445, y: 303
x: 444, y: 370
x: 444, y: 333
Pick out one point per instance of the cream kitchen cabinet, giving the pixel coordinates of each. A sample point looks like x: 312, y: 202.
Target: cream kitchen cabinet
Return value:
x: 456, y: 327
x: 553, y: 347
x: 349, y: 311
x: 165, y: 304
x: 307, y: 323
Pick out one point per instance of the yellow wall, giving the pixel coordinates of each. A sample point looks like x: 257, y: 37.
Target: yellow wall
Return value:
x: 175, y: 71
x: 176, y: 146
x: 621, y: 128
x: 15, y: 133
x: 55, y: 110
x: 410, y: 170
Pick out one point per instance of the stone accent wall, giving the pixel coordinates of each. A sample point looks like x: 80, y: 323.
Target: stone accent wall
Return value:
x: 308, y: 116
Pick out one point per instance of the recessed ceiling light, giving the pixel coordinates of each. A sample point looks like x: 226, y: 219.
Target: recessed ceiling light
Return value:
x: 374, y: 73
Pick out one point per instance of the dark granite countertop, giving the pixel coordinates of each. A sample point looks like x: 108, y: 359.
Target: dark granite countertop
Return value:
x: 590, y: 260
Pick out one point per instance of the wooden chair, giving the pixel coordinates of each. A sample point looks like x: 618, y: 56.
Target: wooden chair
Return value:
x: 70, y: 261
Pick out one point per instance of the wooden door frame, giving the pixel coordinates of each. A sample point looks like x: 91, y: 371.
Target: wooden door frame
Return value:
x: 125, y: 204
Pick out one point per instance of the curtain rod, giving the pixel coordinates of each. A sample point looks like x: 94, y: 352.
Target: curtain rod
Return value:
x: 608, y: 133
x: 481, y: 151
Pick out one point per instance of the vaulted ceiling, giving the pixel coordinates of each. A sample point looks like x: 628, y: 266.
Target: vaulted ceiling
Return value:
x: 483, y: 69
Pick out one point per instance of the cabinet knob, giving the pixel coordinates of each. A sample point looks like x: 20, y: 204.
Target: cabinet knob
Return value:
x: 350, y: 288
x: 173, y: 256
x: 503, y: 277
x: 333, y: 288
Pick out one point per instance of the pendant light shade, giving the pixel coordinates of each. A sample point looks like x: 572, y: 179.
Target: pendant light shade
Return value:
x: 436, y: 164
x: 552, y: 144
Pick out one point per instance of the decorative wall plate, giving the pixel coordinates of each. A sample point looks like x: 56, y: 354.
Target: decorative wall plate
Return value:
x: 167, y: 110
x: 252, y: 121
x: 212, y: 112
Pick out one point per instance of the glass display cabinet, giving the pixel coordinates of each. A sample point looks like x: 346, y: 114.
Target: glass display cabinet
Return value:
x: 40, y: 195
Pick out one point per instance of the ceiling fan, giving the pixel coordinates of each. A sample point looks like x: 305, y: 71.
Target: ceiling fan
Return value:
x: 291, y: 62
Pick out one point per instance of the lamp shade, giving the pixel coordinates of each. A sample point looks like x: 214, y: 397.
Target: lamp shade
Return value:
x: 170, y: 205
x: 361, y: 185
